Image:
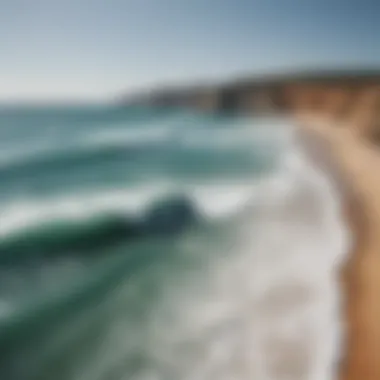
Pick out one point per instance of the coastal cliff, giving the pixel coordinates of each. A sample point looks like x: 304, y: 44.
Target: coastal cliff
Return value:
x: 332, y: 92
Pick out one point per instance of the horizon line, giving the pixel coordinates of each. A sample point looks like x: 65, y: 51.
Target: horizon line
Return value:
x: 270, y: 75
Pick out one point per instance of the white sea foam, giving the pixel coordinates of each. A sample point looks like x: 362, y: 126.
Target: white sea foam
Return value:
x: 271, y: 311
x: 241, y: 136
x: 268, y: 309
x: 24, y: 152
x: 128, y: 136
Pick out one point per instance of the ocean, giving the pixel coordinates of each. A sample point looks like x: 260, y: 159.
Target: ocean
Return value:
x: 164, y: 244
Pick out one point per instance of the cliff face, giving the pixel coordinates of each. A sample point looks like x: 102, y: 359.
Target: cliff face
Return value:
x: 272, y: 94
x: 334, y: 93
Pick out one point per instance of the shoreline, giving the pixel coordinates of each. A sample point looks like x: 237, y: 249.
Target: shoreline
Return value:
x: 347, y: 161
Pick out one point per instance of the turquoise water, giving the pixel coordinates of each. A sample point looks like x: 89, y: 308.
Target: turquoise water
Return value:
x: 89, y: 287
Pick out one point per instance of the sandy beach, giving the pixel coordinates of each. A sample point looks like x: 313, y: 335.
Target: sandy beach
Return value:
x: 353, y: 163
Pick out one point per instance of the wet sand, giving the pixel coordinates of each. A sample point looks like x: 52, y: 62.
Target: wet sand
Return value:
x: 354, y: 165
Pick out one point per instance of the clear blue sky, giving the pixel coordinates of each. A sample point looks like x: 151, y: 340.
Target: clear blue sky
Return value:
x: 96, y: 48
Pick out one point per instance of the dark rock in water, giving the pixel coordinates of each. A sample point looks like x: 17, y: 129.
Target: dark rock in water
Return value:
x: 170, y: 216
